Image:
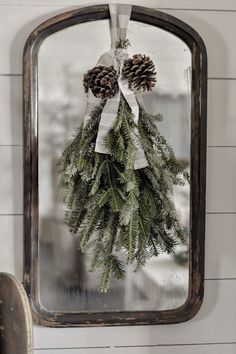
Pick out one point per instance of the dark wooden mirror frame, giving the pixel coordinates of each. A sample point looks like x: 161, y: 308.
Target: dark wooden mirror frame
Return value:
x: 198, y: 171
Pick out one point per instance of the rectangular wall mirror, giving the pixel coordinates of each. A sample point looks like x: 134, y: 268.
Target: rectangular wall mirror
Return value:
x: 62, y: 291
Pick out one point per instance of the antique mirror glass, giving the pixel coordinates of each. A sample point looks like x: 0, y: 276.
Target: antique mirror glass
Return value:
x: 56, y: 272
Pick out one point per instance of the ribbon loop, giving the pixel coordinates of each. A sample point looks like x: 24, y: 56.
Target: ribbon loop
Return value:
x: 120, y: 15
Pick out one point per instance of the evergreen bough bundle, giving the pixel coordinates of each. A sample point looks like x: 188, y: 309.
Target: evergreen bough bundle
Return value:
x: 121, y: 215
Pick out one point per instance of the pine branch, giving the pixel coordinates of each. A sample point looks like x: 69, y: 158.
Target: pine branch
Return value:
x: 110, y: 205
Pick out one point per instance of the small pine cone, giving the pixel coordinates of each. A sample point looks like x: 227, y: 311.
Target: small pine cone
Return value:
x: 140, y: 72
x: 102, y: 80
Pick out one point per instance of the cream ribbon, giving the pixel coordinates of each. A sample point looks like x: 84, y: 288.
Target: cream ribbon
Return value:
x: 120, y: 15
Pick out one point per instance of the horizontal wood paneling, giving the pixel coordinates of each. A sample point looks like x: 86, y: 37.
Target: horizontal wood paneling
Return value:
x: 221, y: 176
x: 180, y: 349
x: 10, y: 110
x: 11, y: 180
x: 11, y: 241
x: 216, y: 28
x: 215, y: 323
x: 79, y: 351
x: 220, y: 252
x: 186, y: 4
x: 221, y: 113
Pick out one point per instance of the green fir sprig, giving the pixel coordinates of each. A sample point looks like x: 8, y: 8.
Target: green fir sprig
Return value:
x: 121, y: 215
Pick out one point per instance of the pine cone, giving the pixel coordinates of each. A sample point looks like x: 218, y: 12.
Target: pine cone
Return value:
x: 102, y: 80
x: 140, y: 72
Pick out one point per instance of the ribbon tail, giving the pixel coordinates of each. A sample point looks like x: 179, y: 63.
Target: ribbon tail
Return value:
x: 107, y: 122
x: 140, y: 158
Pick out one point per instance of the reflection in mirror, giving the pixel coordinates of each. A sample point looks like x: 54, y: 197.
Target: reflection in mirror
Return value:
x: 66, y: 285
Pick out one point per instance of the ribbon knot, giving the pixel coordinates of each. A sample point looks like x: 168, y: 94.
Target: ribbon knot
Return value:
x: 121, y: 55
x: 120, y: 15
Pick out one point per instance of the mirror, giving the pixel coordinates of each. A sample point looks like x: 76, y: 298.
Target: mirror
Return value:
x: 57, y: 273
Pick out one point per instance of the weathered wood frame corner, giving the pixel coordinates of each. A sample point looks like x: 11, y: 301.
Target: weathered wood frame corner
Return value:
x: 198, y: 170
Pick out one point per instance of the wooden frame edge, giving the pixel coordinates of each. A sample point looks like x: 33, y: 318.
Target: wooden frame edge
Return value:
x: 199, y: 103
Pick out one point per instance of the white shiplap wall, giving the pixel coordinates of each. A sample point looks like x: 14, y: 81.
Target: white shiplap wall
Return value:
x: 213, y: 330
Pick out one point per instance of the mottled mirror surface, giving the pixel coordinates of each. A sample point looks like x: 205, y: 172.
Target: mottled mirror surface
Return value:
x: 65, y: 284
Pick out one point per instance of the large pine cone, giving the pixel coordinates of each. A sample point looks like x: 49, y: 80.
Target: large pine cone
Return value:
x: 102, y: 80
x: 140, y: 72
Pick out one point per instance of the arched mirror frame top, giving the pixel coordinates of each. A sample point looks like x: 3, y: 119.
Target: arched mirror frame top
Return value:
x: 198, y: 170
